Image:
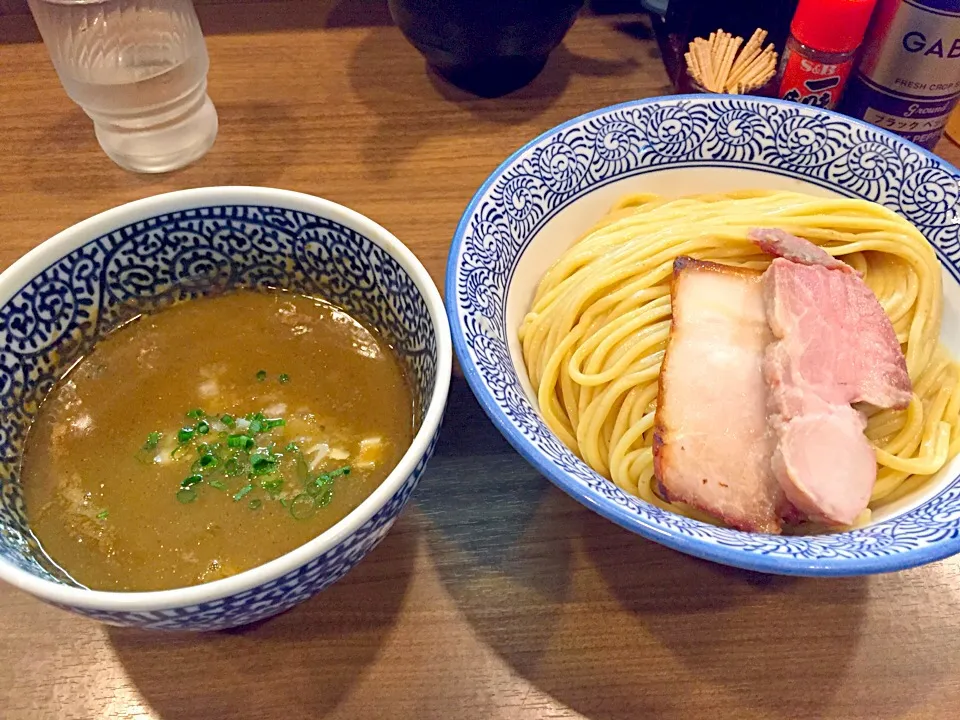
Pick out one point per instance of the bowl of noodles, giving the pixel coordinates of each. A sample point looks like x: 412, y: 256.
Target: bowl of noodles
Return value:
x: 559, y: 284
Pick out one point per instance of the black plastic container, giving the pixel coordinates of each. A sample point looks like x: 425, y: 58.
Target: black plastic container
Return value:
x: 487, y: 47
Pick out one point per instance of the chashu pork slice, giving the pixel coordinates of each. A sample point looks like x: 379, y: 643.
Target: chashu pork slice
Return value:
x: 838, y: 339
x: 834, y: 346
x: 713, y: 444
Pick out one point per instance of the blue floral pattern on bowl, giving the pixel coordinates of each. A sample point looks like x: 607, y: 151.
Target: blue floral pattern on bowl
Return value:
x: 66, y: 307
x: 584, y: 154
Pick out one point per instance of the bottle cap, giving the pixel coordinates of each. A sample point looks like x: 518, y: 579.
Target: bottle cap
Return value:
x: 832, y: 25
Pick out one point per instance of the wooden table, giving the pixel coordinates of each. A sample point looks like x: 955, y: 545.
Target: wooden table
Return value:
x: 496, y: 595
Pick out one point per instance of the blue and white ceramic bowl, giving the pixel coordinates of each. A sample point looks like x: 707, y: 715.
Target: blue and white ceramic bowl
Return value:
x: 71, y: 289
x: 551, y: 191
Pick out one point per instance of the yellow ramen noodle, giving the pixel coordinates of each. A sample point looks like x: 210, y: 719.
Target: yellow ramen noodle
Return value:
x: 596, y: 334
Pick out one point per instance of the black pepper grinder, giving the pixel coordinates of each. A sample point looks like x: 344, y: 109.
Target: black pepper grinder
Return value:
x: 487, y: 47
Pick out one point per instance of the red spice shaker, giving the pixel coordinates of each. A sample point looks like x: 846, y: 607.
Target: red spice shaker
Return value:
x: 819, y: 54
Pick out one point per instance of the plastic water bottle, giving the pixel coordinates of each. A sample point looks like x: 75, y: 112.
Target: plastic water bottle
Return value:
x: 138, y: 68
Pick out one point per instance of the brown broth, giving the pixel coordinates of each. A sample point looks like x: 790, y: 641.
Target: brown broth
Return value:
x: 105, y: 506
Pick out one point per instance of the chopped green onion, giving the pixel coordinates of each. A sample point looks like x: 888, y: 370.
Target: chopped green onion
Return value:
x: 261, y: 465
x: 244, y: 442
x: 302, y: 507
x: 324, y: 498
x: 196, y: 414
x: 233, y: 467
x: 271, y: 483
x: 228, y: 420
x: 147, y: 453
x: 218, y: 484
x: 242, y: 492
x: 328, y: 477
x: 186, y: 495
x: 203, y: 427
x: 254, y: 504
x: 191, y: 481
x: 283, y: 501
x: 272, y: 423
x: 102, y: 515
x: 291, y: 447
x: 284, y: 378
x: 303, y: 470
x: 185, y: 435
x: 208, y: 462
x: 261, y: 375
x: 257, y: 423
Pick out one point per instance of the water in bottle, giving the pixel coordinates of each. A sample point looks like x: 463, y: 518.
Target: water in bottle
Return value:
x: 138, y: 68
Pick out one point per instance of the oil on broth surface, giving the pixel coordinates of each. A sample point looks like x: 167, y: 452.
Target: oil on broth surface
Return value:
x: 211, y: 437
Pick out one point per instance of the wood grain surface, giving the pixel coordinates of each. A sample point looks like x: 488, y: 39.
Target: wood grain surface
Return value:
x: 495, y: 595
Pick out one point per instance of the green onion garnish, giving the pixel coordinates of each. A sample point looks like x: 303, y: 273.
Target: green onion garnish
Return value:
x: 147, y: 453
x: 284, y: 378
x: 203, y: 427
x: 244, y: 442
x: 303, y: 470
x: 271, y: 483
x: 208, y: 462
x: 302, y: 507
x: 328, y: 477
x: 191, y: 481
x: 324, y: 498
x: 291, y: 447
x: 242, y: 492
x: 254, y: 504
x: 185, y: 435
x: 102, y: 515
x: 274, y: 422
x: 196, y: 414
x: 261, y: 375
x: 263, y: 464
x: 218, y: 484
x: 233, y: 467
x: 186, y: 495
x: 228, y: 420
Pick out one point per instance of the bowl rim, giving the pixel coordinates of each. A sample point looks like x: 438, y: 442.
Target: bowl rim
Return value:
x: 607, y: 508
x: 43, y: 255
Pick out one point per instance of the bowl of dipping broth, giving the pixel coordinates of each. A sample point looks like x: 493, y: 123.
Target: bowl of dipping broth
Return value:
x: 729, y: 325
x: 215, y: 403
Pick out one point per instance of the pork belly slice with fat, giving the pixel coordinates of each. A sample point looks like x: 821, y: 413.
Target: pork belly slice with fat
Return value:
x: 712, y: 441
x: 835, y: 346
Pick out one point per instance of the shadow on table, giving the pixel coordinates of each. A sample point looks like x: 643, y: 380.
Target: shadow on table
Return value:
x: 729, y: 637
x: 320, y: 648
x: 392, y: 90
x: 617, y: 627
x: 491, y: 534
